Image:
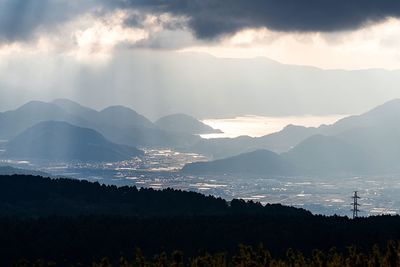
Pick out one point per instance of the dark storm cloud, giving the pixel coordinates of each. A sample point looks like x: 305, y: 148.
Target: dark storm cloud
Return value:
x: 212, y: 18
x: 20, y: 19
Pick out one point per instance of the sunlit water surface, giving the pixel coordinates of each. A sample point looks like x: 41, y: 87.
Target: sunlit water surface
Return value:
x: 256, y: 126
x: 159, y: 169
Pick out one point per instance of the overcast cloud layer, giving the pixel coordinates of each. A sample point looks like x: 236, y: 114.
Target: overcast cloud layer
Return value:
x: 138, y: 53
x: 211, y: 18
x: 20, y: 19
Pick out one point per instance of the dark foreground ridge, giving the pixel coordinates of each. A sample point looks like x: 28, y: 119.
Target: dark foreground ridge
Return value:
x: 34, y: 196
x: 70, y: 221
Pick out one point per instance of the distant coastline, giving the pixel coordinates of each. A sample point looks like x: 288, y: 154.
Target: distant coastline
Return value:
x: 257, y: 126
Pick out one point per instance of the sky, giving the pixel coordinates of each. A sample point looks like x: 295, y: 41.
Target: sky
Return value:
x: 163, y: 56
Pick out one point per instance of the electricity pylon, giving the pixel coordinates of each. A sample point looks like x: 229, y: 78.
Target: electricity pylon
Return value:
x: 355, y: 205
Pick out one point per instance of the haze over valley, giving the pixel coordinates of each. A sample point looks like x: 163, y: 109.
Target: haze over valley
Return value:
x: 199, y: 133
x: 313, y: 167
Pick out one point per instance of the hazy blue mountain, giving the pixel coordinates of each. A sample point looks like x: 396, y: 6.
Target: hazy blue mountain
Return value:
x: 375, y: 133
x: 261, y: 162
x: 366, y: 142
x: 116, y: 116
x: 279, y: 142
x: 150, y: 137
x: 15, y: 121
x: 184, y: 124
x: 317, y: 155
x: 125, y: 126
x: 53, y: 140
x: 122, y: 117
x: 76, y: 109
x: 321, y: 154
x: 381, y: 143
x: 286, y: 139
x: 385, y: 116
x: 8, y: 170
x: 219, y: 148
x: 363, y: 150
x: 118, y: 124
x: 370, y: 142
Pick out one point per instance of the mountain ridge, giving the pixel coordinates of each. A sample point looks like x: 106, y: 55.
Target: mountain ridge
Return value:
x: 386, y: 115
x: 119, y: 124
x: 54, y: 140
x: 184, y: 123
x: 257, y: 162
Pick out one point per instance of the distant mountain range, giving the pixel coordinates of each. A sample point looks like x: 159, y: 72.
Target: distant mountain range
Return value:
x: 278, y: 142
x: 125, y: 126
x: 65, y: 130
x: 62, y: 141
x: 94, y: 135
x: 385, y: 117
x: 115, y: 116
x: 16, y: 121
x: 318, y: 155
x: 366, y: 143
x: 257, y: 162
x: 119, y: 124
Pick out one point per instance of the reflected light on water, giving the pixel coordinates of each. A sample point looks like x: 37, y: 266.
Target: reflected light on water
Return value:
x: 256, y: 126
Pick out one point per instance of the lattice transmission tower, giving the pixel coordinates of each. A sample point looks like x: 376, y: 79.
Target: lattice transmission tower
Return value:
x: 355, y: 204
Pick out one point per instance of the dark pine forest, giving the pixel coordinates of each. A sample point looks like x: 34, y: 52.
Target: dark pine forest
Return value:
x: 78, y: 223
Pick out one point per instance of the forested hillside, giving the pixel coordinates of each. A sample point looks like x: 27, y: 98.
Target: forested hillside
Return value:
x: 69, y: 222
x: 33, y: 196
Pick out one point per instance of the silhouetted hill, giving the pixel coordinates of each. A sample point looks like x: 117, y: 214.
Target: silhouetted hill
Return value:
x: 116, y: 116
x: 385, y: 117
x: 28, y: 196
x: 118, y: 124
x: 78, y: 110
x: 8, y: 170
x: 380, y: 143
x: 184, y: 124
x: 371, y: 137
x: 148, y: 137
x: 329, y: 155
x: 72, y: 221
x: 62, y: 141
x: 125, y: 126
x: 364, y: 143
x: 219, y: 148
x: 123, y: 117
x: 257, y: 162
x: 279, y: 142
x: 287, y: 138
x: 15, y: 121
x: 317, y: 155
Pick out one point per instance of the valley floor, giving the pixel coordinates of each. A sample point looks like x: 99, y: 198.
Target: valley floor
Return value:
x: 159, y: 169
